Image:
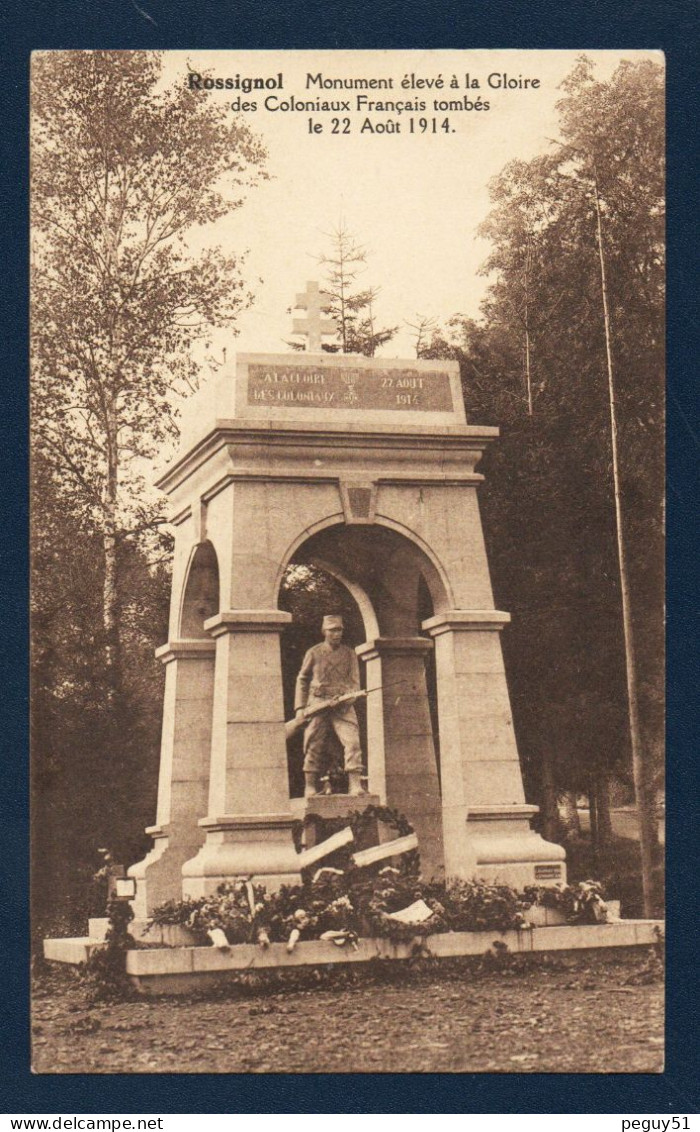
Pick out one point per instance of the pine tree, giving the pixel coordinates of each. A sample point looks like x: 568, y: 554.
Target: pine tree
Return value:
x: 352, y: 307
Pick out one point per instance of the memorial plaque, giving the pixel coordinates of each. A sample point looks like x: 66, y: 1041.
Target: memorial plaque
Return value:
x: 308, y: 386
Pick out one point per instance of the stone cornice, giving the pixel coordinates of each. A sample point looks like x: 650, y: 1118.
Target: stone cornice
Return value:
x: 185, y: 650
x: 247, y: 621
x: 393, y: 646
x: 460, y: 620
x: 280, y: 438
x: 243, y: 475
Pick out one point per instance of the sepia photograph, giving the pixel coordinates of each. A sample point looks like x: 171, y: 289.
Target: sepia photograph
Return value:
x: 347, y: 561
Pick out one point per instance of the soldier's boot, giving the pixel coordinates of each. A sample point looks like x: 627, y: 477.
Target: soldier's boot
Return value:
x: 311, y: 785
x: 355, y: 786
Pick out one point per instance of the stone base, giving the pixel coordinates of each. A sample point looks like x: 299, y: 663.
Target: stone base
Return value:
x: 509, y: 852
x: 159, y: 875
x: 249, y: 845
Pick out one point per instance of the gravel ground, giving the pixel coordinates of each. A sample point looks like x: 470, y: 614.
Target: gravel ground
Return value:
x: 592, y: 1014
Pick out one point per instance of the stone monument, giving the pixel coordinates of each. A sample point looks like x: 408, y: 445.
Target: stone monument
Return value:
x: 365, y: 467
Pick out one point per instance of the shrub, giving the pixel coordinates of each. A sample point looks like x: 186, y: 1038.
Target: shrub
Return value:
x: 105, y: 977
x: 356, y: 902
x: 581, y: 903
x: 474, y: 906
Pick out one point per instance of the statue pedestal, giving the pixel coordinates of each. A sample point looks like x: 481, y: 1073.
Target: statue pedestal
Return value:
x: 339, y: 805
x: 328, y: 807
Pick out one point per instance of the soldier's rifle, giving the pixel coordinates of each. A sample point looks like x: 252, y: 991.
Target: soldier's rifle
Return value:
x: 293, y: 725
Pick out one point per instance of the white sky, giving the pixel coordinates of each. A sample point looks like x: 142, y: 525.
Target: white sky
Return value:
x: 413, y: 201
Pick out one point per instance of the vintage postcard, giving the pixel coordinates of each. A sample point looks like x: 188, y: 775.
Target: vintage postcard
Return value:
x: 347, y: 552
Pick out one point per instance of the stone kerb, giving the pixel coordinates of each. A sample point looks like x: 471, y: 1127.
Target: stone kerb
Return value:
x: 180, y: 969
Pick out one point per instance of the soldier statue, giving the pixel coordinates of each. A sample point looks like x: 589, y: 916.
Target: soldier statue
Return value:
x: 329, y: 669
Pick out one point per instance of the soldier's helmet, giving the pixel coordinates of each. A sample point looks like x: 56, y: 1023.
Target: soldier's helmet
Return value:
x: 332, y: 621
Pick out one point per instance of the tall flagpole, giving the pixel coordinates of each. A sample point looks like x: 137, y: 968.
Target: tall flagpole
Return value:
x: 641, y: 786
x: 647, y: 819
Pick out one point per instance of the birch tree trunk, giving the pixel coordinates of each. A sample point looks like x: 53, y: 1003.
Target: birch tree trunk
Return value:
x: 110, y: 542
x: 551, y: 826
x: 569, y: 814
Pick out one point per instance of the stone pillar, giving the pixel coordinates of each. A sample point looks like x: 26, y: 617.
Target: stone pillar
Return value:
x: 249, y: 821
x: 183, y: 782
x: 375, y: 757
x: 486, y: 821
x: 410, y: 769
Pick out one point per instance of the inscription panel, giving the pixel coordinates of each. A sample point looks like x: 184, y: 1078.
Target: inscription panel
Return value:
x: 300, y: 386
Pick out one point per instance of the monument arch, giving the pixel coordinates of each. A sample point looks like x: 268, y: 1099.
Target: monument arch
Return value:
x: 329, y: 457
x: 200, y: 592
x: 434, y: 573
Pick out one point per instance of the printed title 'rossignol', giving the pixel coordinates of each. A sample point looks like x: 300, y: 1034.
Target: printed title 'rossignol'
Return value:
x: 195, y: 81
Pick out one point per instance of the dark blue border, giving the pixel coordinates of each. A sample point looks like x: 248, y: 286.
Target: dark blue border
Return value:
x: 671, y: 25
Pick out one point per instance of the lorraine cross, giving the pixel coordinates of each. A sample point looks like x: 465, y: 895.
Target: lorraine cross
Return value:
x: 314, y: 326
